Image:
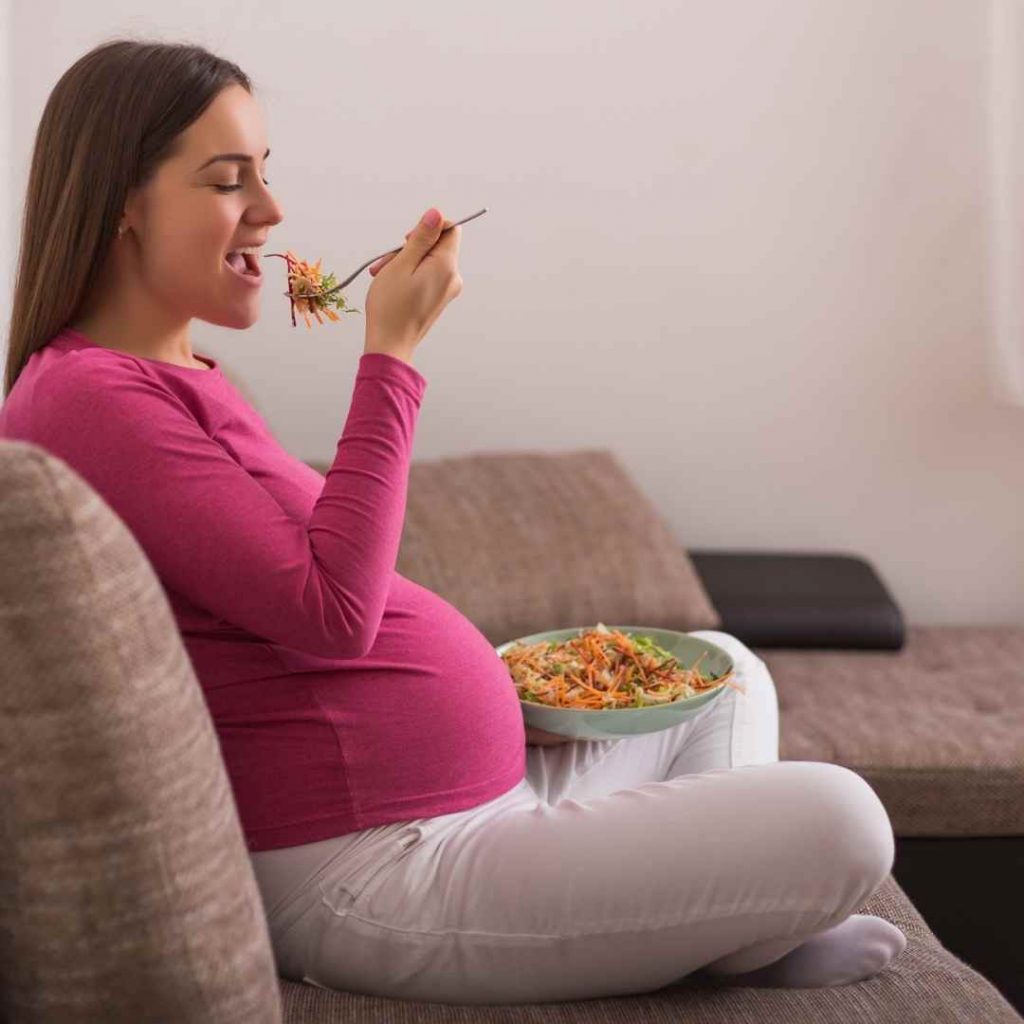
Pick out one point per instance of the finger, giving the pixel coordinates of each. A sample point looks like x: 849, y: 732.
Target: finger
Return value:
x: 446, y: 224
x: 449, y: 243
x: 382, y: 262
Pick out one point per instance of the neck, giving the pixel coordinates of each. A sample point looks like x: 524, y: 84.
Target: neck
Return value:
x: 123, y: 315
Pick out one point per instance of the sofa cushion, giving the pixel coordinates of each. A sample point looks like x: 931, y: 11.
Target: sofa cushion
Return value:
x: 800, y: 599
x: 937, y: 728
x: 527, y: 541
x: 126, y: 890
x: 925, y: 984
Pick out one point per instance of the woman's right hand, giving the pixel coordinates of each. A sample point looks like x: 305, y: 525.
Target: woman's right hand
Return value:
x: 411, y: 288
x: 540, y: 738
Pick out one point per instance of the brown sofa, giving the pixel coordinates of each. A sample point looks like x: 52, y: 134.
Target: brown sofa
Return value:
x: 126, y: 893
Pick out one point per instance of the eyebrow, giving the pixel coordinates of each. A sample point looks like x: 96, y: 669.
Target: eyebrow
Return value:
x: 232, y: 157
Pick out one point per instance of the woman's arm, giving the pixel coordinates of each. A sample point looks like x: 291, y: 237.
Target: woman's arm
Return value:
x: 215, y: 535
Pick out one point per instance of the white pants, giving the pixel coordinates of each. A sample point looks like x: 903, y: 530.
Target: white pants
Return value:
x: 614, y: 867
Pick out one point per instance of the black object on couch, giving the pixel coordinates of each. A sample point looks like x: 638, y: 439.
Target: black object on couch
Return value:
x: 796, y: 599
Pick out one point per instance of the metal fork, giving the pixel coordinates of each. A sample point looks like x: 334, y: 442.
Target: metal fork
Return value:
x: 351, y: 277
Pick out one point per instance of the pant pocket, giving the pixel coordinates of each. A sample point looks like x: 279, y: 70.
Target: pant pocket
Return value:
x: 350, y: 879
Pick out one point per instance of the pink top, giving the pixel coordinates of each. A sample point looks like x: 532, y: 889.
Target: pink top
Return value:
x: 344, y: 694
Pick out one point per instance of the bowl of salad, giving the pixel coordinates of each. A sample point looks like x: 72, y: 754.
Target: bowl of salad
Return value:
x: 605, y: 682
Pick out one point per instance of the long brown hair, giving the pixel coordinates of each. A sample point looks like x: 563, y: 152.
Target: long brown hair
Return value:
x: 113, y: 117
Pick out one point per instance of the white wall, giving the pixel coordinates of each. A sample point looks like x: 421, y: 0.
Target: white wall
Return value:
x: 745, y: 245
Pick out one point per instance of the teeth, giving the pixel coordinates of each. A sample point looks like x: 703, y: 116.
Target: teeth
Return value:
x: 255, y: 250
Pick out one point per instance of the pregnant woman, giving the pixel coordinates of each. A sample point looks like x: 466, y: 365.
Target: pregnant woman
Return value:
x: 408, y: 837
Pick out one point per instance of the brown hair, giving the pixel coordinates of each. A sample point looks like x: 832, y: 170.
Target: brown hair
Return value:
x: 113, y: 117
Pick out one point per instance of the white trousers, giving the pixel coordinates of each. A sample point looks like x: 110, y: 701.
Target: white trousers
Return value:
x: 614, y: 867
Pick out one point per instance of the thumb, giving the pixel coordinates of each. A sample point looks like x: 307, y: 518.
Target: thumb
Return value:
x: 423, y: 237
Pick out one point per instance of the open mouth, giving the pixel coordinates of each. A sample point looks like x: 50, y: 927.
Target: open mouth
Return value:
x: 245, y: 264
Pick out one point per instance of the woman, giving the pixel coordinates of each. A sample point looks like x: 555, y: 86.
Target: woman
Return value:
x: 405, y: 841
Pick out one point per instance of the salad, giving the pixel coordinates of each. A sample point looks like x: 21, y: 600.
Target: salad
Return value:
x: 605, y: 668
x: 306, y: 285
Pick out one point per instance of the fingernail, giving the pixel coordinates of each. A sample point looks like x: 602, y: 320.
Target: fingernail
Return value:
x: 432, y: 217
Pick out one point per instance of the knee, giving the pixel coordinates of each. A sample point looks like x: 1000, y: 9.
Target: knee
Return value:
x: 741, y: 654
x: 749, y: 667
x: 851, y: 823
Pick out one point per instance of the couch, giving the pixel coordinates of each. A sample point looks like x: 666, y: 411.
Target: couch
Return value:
x: 126, y: 893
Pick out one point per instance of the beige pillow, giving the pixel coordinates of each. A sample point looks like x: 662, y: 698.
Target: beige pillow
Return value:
x: 525, y: 541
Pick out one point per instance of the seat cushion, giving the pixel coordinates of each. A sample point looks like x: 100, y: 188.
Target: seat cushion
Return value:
x: 936, y: 728
x: 527, y: 541
x: 926, y: 983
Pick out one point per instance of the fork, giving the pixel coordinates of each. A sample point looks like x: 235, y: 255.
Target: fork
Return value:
x: 351, y: 277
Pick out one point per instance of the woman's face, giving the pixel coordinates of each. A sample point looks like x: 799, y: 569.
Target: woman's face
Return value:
x: 196, y: 209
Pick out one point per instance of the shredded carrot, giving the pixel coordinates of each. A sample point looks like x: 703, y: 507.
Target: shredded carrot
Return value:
x: 606, y: 668
x: 306, y: 287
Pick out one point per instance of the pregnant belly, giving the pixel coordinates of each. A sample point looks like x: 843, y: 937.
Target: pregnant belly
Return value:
x: 431, y: 697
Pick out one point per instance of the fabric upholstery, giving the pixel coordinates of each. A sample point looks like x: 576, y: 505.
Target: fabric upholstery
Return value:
x: 937, y: 728
x: 522, y: 542
x: 126, y: 893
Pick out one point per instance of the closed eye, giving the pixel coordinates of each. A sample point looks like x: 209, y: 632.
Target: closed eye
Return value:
x: 233, y: 188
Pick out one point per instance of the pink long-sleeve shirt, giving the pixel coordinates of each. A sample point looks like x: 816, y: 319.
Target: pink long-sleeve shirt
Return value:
x: 344, y: 695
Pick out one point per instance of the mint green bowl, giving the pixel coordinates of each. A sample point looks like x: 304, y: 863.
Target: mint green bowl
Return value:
x: 588, y: 724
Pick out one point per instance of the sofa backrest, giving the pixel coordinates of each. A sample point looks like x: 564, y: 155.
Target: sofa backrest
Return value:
x: 126, y: 891
x: 525, y: 541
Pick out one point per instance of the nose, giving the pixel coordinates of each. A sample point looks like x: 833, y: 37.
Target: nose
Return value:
x: 271, y: 209
x: 277, y: 212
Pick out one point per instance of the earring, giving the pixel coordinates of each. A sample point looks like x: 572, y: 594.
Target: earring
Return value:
x: 120, y: 231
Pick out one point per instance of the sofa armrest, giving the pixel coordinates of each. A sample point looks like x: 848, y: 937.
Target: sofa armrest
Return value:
x: 799, y: 599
